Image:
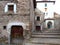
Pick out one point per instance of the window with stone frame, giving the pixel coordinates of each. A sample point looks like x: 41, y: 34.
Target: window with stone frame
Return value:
x: 10, y: 7
x: 38, y: 18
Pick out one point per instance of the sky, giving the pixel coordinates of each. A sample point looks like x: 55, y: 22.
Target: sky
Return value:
x: 56, y: 7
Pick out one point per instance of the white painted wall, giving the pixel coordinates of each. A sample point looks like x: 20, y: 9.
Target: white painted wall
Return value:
x: 40, y: 6
x: 50, y: 9
x: 46, y: 22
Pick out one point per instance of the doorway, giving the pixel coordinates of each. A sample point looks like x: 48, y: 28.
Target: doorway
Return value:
x: 16, y: 34
x: 38, y: 28
x: 49, y: 25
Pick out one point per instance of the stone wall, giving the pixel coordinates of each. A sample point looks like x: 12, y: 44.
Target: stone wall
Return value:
x: 41, y: 15
x: 22, y: 15
x: 57, y: 23
x: 23, y: 7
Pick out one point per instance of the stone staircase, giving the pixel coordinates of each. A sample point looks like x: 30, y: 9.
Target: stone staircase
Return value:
x: 49, y: 37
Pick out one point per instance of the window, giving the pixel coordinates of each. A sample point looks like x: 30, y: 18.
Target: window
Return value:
x: 10, y: 7
x: 38, y: 18
x: 4, y: 27
x: 45, y: 5
x: 45, y: 9
x: 46, y: 13
x: 38, y: 28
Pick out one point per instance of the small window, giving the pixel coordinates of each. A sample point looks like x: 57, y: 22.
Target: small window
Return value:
x: 4, y: 27
x: 10, y: 7
x: 45, y: 5
x: 38, y: 18
x: 45, y: 9
x: 46, y: 13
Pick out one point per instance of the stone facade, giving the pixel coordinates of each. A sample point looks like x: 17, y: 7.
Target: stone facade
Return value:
x: 23, y: 15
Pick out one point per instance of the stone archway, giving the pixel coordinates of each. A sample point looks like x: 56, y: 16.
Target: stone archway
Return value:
x: 16, y: 34
x: 14, y: 24
x: 49, y: 25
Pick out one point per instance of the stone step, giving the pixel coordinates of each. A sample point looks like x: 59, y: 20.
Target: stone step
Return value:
x: 34, y: 44
x: 44, y: 41
x: 38, y: 33
x: 45, y: 36
x: 54, y: 31
x: 40, y: 44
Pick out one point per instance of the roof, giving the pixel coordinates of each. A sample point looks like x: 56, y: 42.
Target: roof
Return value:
x: 37, y: 11
x: 56, y: 15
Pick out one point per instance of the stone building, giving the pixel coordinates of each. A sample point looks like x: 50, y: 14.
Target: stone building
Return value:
x: 18, y: 18
x: 39, y: 20
x: 57, y: 20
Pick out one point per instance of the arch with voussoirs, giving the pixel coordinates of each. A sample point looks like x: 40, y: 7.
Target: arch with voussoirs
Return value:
x: 13, y: 25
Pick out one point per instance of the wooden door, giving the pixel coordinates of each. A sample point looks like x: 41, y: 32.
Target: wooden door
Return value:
x: 38, y: 28
x: 16, y: 32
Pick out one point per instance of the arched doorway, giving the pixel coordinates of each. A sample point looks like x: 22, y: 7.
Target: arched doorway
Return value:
x: 49, y: 25
x: 11, y: 26
x: 16, y: 34
x: 38, y: 28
